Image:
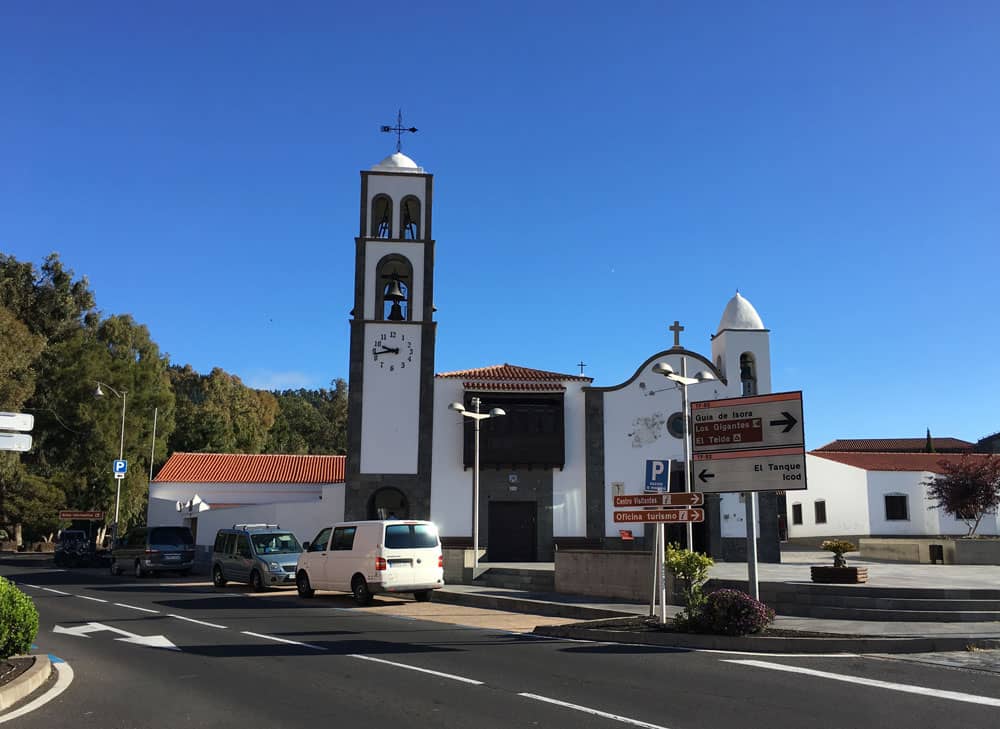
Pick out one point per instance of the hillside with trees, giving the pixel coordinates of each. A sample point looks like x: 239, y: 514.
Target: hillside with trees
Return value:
x: 56, y: 346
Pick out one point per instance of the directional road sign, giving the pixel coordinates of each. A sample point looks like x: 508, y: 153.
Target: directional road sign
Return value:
x: 676, y: 499
x: 777, y: 469
x: 679, y: 516
x: 17, y: 421
x: 15, y: 442
x: 90, y: 515
x: 747, y: 423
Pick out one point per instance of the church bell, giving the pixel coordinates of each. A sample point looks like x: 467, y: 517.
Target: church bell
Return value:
x: 394, y: 293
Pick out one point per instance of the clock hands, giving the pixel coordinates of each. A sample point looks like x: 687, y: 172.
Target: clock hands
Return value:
x: 385, y: 350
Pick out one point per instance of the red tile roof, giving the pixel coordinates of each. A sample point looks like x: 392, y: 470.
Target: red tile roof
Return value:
x: 894, y: 461
x: 513, y: 373
x: 244, y: 468
x: 514, y: 386
x: 897, y: 445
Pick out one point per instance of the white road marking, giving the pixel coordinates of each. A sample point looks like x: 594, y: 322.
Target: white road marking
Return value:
x: 199, y: 622
x: 282, y: 640
x: 595, y: 712
x: 64, y: 677
x: 903, y: 687
x: 58, y: 592
x: 134, y: 607
x: 27, y: 585
x: 415, y: 668
x: 95, y: 599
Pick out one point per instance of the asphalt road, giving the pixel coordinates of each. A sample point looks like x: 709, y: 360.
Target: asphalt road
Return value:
x: 238, y: 660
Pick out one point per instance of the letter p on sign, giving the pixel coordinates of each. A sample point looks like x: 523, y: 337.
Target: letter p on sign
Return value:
x: 657, y: 475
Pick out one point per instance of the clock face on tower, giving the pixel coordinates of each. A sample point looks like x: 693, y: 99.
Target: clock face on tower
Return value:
x: 392, y: 351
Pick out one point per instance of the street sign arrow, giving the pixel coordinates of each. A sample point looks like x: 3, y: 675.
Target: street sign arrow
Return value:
x: 704, y: 476
x: 151, y: 641
x: 789, y: 421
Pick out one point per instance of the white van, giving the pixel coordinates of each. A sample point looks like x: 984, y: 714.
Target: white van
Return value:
x: 368, y: 557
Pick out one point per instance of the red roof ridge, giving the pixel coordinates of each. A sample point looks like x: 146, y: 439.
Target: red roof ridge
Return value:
x: 274, y: 468
x: 507, y: 372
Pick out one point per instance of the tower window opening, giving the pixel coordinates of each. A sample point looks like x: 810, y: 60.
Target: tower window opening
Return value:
x: 748, y: 373
x: 381, y: 217
x: 394, y: 278
x: 410, y: 218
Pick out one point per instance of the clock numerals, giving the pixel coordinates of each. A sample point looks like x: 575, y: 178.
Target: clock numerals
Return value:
x: 392, y: 351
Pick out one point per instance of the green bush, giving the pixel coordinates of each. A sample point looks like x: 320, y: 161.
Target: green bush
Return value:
x: 690, y: 569
x: 18, y: 620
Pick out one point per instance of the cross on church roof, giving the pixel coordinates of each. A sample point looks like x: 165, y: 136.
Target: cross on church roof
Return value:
x: 581, y: 364
x: 399, y: 129
x: 676, y: 329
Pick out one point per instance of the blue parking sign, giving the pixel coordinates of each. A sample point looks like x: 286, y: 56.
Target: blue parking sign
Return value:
x: 657, y: 475
x: 120, y: 466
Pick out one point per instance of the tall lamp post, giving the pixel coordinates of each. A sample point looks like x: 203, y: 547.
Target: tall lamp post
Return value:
x: 683, y: 382
x: 121, y: 449
x: 476, y: 418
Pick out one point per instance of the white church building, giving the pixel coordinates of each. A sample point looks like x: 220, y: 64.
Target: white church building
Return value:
x: 550, y: 465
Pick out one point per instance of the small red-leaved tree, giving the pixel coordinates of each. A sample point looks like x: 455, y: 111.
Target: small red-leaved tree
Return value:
x: 968, y: 488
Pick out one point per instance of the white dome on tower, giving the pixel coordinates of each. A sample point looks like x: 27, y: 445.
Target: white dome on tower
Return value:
x: 398, y: 162
x: 740, y: 314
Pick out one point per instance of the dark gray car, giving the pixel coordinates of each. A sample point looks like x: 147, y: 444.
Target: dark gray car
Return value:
x: 145, y: 550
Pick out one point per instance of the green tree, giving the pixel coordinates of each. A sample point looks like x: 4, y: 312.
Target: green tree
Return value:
x: 18, y: 354
x: 310, y: 421
x: 49, y: 302
x: 969, y: 488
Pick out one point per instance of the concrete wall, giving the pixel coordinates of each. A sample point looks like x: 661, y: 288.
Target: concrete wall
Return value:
x: 956, y: 551
x: 604, y: 573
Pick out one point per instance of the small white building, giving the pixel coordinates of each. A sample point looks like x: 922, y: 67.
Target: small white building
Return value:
x: 865, y: 494
x: 212, y: 491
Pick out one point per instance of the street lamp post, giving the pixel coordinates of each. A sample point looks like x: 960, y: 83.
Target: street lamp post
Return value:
x: 121, y: 450
x: 476, y: 418
x: 683, y: 382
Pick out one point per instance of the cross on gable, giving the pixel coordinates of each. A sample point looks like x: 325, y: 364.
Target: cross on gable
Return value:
x: 676, y: 329
x: 581, y: 364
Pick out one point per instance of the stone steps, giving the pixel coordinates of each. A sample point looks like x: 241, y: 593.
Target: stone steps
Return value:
x: 510, y: 578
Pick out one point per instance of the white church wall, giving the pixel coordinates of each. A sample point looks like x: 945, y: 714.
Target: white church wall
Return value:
x: 842, y: 488
x: 920, y: 520
x: 569, y: 486
x: 451, y: 484
x: 415, y: 253
x: 635, y: 428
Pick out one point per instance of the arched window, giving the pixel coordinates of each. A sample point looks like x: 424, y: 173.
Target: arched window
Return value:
x: 410, y: 218
x: 748, y: 373
x: 393, y: 282
x: 388, y: 503
x: 381, y: 216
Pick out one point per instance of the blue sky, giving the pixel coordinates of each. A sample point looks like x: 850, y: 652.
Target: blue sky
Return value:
x: 598, y: 174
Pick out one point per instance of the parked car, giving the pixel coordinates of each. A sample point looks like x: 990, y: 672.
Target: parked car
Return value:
x: 73, y: 549
x: 145, y: 550
x: 369, y: 557
x: 262, y: 555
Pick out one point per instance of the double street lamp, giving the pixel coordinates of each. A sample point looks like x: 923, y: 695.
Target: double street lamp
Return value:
x: 683, y: 382
x: 476, y: 418
x: 121, y: 448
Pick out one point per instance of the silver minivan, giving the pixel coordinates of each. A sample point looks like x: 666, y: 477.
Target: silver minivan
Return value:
x: 262, y: 555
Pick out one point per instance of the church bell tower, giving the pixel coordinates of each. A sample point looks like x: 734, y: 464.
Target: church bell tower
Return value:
x: 390, y: 396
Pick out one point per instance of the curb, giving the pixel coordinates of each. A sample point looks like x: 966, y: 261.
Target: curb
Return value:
x: 760, y: 644
x: 525, y: 605
x: 26, y: 683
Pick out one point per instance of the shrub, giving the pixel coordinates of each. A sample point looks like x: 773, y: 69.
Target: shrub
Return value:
x: 732, y: 612
x: 838, y: 547
x: 18, y: 620
x: 691, y: 570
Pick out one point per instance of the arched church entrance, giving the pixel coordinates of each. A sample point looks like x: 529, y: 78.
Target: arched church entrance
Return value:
x: 388, y: 503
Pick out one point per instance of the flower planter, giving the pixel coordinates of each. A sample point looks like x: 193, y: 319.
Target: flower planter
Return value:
x: 839, y: 575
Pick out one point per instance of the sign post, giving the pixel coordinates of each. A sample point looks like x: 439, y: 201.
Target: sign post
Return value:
x: 658, y: 479
x: 21, y: 423
x: 749, y: 444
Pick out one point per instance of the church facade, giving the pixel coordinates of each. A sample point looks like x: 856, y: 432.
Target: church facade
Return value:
x: 551, y: 464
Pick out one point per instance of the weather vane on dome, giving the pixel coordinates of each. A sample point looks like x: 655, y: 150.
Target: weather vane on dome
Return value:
x: 399, y: 129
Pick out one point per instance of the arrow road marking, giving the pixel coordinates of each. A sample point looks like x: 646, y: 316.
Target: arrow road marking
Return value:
x: 151, y: 641
x: 789, y: 422
x: 905, y: 688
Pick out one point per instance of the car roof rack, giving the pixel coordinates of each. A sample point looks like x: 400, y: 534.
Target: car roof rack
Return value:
x: 256, y: 526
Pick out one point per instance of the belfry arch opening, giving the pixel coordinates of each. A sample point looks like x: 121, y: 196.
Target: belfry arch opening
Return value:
x: 381, y: 217
x: 393, y: 287
x: 748, y: 374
